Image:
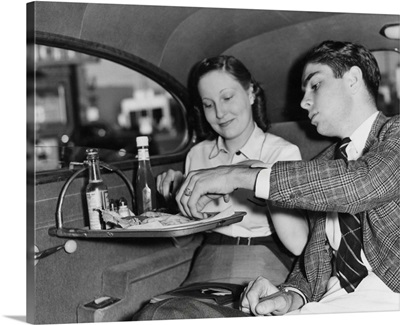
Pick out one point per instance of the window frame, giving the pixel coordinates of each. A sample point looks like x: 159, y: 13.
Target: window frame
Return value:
x: 389, y: 50
x: 133, y: 62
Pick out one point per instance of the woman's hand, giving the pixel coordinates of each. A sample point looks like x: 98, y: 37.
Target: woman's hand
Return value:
x: 169, y: 182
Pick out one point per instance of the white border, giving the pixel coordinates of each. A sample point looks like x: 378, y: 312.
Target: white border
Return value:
x: 13, y: 145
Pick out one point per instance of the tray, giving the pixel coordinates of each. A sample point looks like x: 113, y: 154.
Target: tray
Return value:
x: 168, y: 231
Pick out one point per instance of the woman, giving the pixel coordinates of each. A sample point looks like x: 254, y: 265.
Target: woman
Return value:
x: 230, y: 114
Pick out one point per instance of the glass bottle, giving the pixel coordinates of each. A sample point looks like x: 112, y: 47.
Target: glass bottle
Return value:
x: 113, y: 206
x: 96, y: 191
x: 145, y: 183
x: 123, y: 208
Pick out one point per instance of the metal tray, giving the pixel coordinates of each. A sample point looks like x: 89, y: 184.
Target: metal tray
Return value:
x: 169, y: 231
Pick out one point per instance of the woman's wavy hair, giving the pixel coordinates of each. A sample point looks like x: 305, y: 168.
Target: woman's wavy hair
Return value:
x: 240, y: 73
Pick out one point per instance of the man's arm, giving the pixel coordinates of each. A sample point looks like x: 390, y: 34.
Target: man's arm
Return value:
x: 201, y: 186
x: 334, y: 186
x: 324, y: 184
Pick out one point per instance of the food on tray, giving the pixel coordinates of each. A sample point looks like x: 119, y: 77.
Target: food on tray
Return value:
x: 114, y: 218
x: 156, y: 219
x: 152, y: 219
x: 165, y: 219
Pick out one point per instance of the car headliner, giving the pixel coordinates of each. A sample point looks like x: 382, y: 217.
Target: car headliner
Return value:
x: 269, y: 42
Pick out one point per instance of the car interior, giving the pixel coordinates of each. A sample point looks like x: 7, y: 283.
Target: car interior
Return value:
x: 107, y: 73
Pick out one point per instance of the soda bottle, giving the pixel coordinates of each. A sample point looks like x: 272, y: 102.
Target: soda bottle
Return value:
x: 96, y: 191
x: 145, y: 183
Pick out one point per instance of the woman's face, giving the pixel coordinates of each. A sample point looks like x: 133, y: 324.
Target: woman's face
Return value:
x: 227, y: 105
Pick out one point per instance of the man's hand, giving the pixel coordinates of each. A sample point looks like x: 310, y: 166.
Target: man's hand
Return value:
x: 261, y: 297
x: 202, y: 186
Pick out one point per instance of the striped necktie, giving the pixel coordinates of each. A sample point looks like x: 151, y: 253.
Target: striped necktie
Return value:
x: 349, y: 267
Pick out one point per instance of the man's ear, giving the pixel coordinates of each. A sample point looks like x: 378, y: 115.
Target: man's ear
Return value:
x: 354, y: 78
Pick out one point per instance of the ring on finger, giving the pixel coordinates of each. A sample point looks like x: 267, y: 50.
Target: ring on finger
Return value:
x: 188, y: 192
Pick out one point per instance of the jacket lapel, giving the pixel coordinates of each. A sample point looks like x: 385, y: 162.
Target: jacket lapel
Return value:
x: 373, y: 134
x: 314, y: 252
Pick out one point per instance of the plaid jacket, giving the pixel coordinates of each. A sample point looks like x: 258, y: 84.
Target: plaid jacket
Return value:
x: 369, y: 186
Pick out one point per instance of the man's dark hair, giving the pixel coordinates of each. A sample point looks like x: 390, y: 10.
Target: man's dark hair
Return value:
x: 341, y: 56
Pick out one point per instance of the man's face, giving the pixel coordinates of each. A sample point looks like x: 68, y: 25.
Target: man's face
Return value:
x: 326, y: 99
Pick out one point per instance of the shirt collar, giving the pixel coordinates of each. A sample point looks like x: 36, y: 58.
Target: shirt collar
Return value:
x: 251, y: 149
x: 360, y: 135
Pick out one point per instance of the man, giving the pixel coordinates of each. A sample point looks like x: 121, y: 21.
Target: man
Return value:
x: 352, y: 260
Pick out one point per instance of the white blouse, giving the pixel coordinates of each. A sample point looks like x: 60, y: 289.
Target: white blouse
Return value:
x: 262, y: 146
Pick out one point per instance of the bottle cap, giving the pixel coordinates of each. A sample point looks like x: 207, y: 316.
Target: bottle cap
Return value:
x: 92, y: 153
x: 142, y: 141
x: 112, y: 204
x: 122, y: 202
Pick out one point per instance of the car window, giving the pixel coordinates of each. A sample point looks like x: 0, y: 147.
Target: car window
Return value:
x: 389, y: 88
x: 82, y: 101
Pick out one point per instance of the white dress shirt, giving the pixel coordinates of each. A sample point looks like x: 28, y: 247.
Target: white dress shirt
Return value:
x: 354, y: 151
